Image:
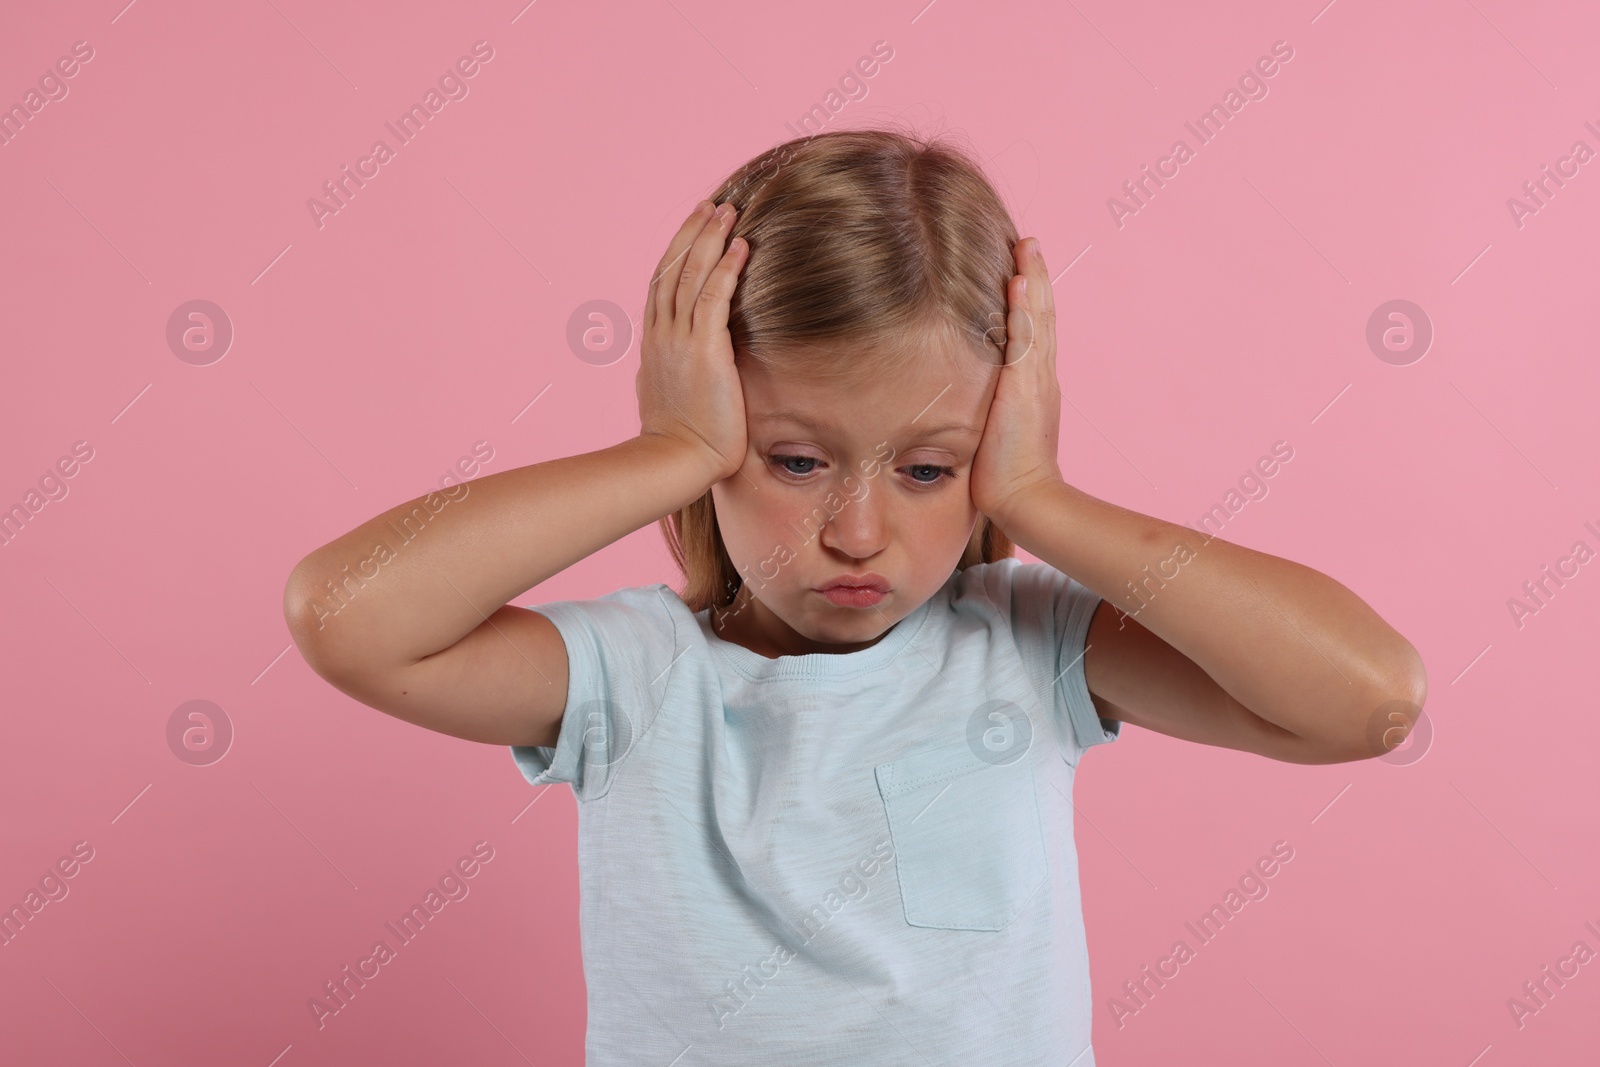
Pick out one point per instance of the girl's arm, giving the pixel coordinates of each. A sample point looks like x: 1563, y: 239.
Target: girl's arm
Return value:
x: 422, y: 628
x: 409, y: 612
x: 1232, y: 647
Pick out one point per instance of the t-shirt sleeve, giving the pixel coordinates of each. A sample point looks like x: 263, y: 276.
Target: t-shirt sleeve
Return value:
x: 620, y: 649
x: 1048, y: 603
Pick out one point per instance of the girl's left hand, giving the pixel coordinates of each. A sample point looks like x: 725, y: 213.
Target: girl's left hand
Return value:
x: 1017, y: 452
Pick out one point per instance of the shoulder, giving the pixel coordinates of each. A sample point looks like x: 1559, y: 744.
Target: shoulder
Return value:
x: 1012, y: 585
x: 1043, y: 608
x: 649, y: 614
x: 985, y: 581
x: 658, y: 599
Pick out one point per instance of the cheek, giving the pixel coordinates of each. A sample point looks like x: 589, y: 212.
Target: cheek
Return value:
x: 934, y: 555
x: 949, y: 508
x: 752, y: 523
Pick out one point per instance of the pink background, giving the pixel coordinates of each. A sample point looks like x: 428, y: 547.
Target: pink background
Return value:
x: 373, y: 352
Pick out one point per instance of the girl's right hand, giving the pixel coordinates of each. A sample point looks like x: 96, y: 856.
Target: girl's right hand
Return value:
x: 687, y: 385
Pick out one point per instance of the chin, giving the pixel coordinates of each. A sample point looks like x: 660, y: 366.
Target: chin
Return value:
x: 854, y: 624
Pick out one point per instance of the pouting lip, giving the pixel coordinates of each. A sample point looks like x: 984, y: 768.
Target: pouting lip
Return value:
x: 858, y: 581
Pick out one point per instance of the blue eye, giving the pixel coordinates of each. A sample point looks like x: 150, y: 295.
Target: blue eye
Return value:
x: 782, y: 461
x: 941, y: 472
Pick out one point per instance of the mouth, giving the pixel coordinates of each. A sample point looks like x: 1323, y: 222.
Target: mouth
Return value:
x: 856, y: 591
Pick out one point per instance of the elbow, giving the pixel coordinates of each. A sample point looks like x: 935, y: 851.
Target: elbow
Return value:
x: 1384, y: 722
x: 1393, y: 727
x: 299, y: 601
x: 306, y: 613
x: 336, y: 646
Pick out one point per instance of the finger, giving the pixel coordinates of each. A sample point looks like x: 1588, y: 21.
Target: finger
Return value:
x: 1041, y: 297
x: 1023, y: 328
x: 707, y: 249
x: 711, y: 309
x: 1019, y: 320
x: 664, y: 282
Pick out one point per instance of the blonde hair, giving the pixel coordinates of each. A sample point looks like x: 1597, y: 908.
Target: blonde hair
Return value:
x: 862, y: 244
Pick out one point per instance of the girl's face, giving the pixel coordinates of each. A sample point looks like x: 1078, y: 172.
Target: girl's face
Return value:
x: 865, y: 479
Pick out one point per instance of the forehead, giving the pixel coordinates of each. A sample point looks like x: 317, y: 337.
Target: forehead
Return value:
x: 939, y: 393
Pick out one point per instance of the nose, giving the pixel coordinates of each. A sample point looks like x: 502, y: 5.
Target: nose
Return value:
x: 860, y: 528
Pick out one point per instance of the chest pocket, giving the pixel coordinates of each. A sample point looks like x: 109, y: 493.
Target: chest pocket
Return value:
x: 968, y: 837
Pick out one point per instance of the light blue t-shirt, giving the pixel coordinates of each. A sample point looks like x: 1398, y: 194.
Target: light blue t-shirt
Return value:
x: 831, y: 859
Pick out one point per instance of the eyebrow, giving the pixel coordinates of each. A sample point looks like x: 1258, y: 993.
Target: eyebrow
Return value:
x: 812, y: 424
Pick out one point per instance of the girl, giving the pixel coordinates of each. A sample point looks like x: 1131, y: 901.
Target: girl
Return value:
x: 825, y: 787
